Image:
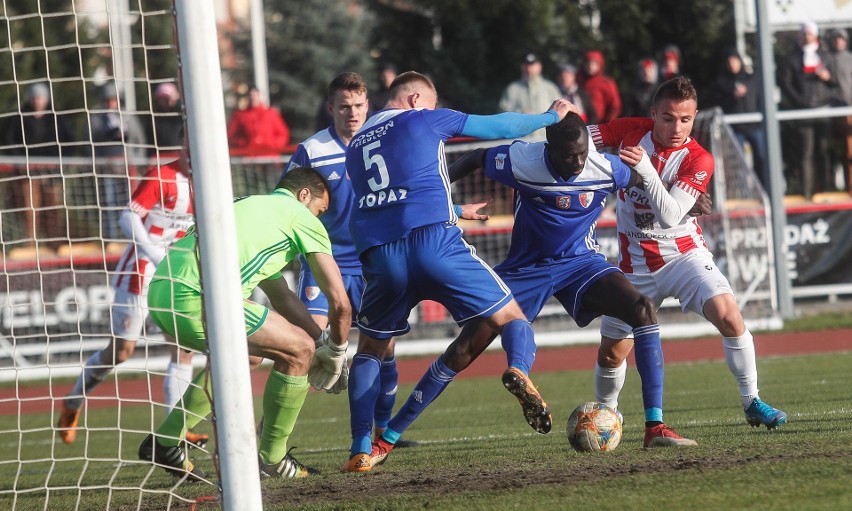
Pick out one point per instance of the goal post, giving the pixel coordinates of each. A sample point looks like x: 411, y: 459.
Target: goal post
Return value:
x: 205, y: 107
x: 61, y: 196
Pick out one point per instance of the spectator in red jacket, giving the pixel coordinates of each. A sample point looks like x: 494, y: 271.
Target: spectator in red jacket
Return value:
x: 257, y: 130
x: 601, y: 89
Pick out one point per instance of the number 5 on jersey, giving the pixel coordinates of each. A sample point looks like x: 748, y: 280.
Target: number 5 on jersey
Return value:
x: 378, y: 161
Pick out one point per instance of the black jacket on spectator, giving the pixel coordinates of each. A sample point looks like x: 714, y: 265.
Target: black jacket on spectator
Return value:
x: 42, y: 134
x: 800, y: 89
x: 637, y: 101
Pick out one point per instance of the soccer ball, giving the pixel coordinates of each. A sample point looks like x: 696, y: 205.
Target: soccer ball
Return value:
x: 594, y: 427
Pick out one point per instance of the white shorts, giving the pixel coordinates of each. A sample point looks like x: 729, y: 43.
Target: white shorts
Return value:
x: 693, y: 279
x: 129, y: 312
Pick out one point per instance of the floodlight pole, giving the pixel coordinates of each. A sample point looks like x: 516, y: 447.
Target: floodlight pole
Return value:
x: 223, y: 304
x: 776, y: 168
x: 258, y: 50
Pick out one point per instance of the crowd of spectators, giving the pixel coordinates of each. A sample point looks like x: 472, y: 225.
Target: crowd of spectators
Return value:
x: 816, y: 72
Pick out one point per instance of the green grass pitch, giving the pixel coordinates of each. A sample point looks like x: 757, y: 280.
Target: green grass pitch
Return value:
x: 478, y: 453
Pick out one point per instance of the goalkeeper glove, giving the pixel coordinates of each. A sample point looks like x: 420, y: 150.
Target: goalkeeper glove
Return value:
x: 342, y: 383
x: 327, y: 365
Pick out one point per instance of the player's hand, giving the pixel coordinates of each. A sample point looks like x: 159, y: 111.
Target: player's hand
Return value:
x: 631, y: 155
x: 703, y: 205
x: 562, y: 107
x: 469, y: 211
x: 342, y: 383
x: 327, y: 365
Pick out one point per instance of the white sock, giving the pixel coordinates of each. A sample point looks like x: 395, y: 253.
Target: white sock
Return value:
x: 178, y: 378
x: 94, y: 371
x: 739, y: 354
x: 608, y: 383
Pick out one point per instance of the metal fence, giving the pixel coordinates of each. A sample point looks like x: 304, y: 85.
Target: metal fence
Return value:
x: 61, y: 243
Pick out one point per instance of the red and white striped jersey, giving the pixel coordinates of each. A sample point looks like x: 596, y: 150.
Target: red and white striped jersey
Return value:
x: 644, y: 245
x: 164, y: 202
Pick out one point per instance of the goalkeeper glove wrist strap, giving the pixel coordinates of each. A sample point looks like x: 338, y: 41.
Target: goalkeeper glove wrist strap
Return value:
x: 338, y: 348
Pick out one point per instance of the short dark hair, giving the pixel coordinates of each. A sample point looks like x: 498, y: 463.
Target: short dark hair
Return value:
x: 347, y: 81
x: 410, y: 77
x: 304, y: 177
x: 572, y: 127
x: 678, y: 89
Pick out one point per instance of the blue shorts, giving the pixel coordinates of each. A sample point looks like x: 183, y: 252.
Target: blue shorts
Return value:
x: 316, y: 301
x: 432, y: 263
x: 567, y: 281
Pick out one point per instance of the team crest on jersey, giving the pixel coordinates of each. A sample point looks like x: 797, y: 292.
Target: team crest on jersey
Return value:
x: 563, y: 202
x: 644, y: 221
x: 500, y: 161
x: 311, y: 292
x: 586, y: 198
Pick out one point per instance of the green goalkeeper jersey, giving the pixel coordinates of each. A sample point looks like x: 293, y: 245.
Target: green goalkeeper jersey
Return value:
x: 271, y: 230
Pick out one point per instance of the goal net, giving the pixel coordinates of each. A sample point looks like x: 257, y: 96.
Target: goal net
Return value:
x: 91, y: 101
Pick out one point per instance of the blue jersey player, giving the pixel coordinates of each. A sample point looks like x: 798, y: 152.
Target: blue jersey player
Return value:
x: 404, y: 226
x: 560, y: 190
x: 325, y: 151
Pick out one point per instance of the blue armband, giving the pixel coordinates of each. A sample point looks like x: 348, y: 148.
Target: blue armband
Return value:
x: 458, y: 210
x: 507, y: 124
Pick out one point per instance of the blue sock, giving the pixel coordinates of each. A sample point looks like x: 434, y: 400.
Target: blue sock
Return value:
x: 390, y: 436
x: 519, y: 343
x: 389, y: 377
x: 649, y: 363
x: 427, y: 390
x: 363, y: 394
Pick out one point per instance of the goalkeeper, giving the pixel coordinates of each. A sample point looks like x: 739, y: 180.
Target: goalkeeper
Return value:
x: 271, y: 230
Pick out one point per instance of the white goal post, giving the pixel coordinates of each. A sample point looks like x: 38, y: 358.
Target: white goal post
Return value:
x: 223, y: 304
x: 72, y: 150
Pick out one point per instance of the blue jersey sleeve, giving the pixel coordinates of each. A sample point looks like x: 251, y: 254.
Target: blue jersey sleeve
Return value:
x: 446, y: 122
x: 620, y: 171
x: 299, y: 159
x: 498, y: 166
x: 507, y: 124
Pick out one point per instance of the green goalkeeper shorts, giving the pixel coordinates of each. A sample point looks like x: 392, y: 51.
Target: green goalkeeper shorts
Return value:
x: 176, y: 309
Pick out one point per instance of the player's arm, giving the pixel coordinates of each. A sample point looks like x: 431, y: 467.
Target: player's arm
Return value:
x: 513, y: 124
x: 328, y: 278
x: 132, y: 227
x: 328, y: 368
x: 703, y: 205
x: 670, y: 207
x: 635, y: 178
x: 611, y: 134
x: 460, y: 168
x: 287, y: 303
x: 467, y: 164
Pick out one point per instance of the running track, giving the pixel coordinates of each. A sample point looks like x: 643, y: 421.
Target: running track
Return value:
x: 39, y: 398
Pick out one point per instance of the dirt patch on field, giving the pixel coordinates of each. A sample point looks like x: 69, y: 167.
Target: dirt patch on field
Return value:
x: 462, y: 480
